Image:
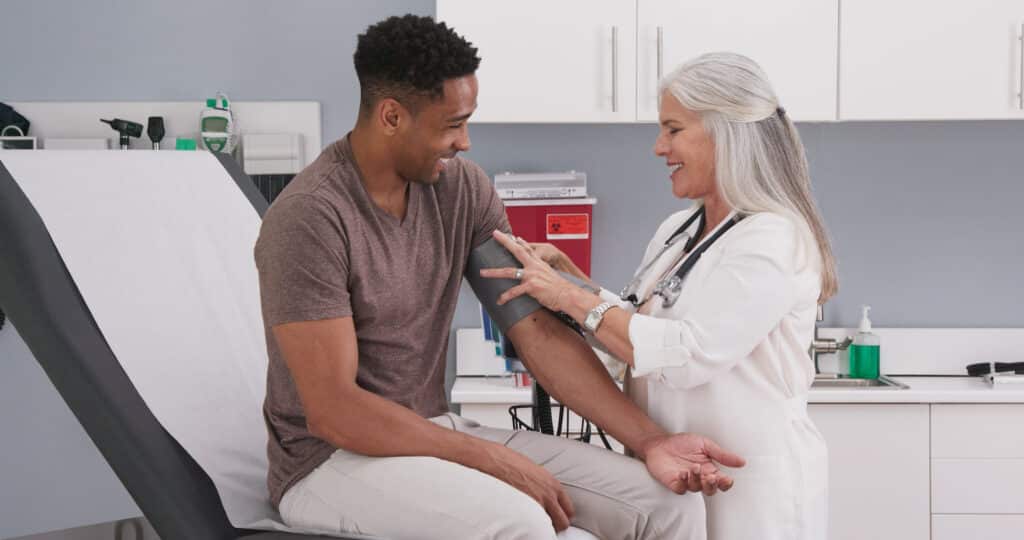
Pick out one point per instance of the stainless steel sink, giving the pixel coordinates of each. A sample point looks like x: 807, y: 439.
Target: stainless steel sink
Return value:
x: 845, y: 381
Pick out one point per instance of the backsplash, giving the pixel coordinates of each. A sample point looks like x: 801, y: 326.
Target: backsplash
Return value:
x: 932, y: 351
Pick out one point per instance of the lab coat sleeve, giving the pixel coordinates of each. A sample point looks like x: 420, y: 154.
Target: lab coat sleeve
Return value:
x: 738, y: 304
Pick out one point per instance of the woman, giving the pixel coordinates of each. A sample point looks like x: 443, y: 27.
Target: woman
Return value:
x: 715, y: 325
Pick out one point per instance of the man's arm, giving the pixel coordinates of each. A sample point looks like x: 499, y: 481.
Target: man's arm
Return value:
x: 323, y: 359
x: 569, y: 370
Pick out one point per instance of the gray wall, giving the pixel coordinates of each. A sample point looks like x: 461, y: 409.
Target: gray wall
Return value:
x: 922, y: 214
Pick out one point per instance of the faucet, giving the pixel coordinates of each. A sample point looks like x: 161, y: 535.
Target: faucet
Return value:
x: 826, y: 345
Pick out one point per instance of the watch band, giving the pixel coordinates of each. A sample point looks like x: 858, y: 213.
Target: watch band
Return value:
x: 595, y: 316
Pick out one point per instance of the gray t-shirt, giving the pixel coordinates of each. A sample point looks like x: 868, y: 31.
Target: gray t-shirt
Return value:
x: 326, y: 250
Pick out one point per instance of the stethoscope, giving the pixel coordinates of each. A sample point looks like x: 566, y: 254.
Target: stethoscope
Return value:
x: 669, y: 288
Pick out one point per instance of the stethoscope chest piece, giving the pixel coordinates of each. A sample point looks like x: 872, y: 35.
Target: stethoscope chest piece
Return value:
x: 669, y: 289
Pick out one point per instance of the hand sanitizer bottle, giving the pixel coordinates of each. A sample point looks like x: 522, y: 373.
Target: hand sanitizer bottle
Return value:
x: 865, y: 350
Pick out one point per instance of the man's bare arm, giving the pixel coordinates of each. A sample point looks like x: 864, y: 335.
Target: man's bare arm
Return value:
x: 323, y: 359
x: 569, y: 370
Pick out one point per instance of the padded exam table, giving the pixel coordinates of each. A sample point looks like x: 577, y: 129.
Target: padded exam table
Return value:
x: 130, y: 277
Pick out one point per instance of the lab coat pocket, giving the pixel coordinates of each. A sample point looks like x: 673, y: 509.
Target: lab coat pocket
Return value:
x: 761, y: 504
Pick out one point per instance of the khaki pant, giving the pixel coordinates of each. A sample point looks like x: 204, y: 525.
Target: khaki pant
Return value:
x: 401, y: 498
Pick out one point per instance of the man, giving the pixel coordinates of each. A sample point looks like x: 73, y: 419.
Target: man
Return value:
x: 360, y: 261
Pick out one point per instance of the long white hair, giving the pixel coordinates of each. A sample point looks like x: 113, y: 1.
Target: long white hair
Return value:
x: 760, y: 164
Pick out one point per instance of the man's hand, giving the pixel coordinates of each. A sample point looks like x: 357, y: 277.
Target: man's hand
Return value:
x: 519, y: 472
x: 686, y: 462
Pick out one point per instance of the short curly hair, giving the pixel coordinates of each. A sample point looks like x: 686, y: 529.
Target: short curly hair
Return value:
x: 410, y: 57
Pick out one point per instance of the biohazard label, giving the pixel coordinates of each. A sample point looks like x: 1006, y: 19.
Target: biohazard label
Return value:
x: 568, y: 226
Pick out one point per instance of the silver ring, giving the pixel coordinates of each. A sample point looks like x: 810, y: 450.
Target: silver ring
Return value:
x: 519, y: 273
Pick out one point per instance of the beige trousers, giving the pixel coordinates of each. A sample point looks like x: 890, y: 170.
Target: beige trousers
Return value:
x: 420, y: 498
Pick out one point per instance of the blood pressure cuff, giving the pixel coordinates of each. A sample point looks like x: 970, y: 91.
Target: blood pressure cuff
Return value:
x: 491, y: 254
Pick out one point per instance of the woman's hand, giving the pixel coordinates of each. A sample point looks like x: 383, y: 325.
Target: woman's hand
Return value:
x: 537, y: 278
x: 558, y: 260
x: 549, y: 254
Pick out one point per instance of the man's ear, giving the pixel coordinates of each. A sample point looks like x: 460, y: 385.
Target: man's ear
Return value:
x: 391, y: 115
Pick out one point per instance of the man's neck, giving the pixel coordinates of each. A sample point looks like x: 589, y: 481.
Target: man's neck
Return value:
x: 387, y: 189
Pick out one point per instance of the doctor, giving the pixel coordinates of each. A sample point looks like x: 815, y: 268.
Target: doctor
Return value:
x: 714, y: 327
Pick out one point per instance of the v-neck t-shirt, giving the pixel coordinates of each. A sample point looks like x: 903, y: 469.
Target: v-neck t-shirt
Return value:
x: 326, y: 250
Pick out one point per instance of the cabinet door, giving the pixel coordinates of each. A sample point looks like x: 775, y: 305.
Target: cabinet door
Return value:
x: 930, y: 59
x: 878, y: 470
x: 565, y: 61
x: 959, y: 527
x: 794, y: 41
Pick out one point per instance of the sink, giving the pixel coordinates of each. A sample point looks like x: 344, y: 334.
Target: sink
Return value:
x: 845, y: 381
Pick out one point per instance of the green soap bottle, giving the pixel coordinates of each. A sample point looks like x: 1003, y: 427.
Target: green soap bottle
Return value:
x: 865, y: 350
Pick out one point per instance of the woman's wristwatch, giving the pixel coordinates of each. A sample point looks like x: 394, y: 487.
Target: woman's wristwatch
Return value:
x: 595, y: 316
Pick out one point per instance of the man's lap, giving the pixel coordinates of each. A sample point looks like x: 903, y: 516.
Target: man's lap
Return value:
x: 613, y: 495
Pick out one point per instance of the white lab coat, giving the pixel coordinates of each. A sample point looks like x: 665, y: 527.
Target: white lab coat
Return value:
x: 729, y: 361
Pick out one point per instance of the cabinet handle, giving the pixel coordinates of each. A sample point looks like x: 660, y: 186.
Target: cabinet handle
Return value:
x: 615, y: 69
x: 661, y: 55
x: 1020, y: 94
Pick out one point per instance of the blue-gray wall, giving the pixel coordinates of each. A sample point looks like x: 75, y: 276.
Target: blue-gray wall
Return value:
x: 924, y: 215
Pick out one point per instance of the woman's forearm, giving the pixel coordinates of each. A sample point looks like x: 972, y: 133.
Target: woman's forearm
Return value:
x: 614, y: 330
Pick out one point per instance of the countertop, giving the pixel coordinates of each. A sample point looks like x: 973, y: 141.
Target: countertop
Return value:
x: 497, y: 390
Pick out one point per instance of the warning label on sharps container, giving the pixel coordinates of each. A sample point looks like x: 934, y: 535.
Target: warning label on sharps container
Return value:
x: 568, y: 226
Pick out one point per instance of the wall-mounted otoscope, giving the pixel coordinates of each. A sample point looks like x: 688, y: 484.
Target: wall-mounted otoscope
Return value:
x: 155, y: 130
x: 126, y: 128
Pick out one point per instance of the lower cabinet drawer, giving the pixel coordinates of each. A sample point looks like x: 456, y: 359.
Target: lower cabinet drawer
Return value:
x: 978, y: 431
x: 978, y: 486
x: 962, y: 527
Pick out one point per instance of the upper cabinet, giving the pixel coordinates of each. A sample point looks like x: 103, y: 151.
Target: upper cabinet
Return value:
x: 931, y: 59
x: 600, y: 60
x: 794, y: 41
x: 565, y: 61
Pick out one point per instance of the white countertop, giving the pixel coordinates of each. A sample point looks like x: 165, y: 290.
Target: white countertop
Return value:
x: 496, y: 390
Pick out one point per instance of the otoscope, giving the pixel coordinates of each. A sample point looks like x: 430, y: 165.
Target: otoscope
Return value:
x: 126, y: 128
x: 155, y: 130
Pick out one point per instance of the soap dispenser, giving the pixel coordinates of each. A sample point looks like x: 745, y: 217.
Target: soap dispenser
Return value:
x: 865, y: 350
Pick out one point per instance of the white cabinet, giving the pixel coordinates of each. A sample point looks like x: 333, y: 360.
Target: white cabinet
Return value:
x: 878, y: 470
x: 794, y: 41
x: 979, y: 431
x: 899, y: 471
x: 978, y: 470
x: 994, y: 527
x: 930, y: 59
x: 565, y: 61
x: 599, y: 61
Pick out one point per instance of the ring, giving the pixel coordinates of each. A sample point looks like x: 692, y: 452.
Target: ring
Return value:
x: 519, y: 273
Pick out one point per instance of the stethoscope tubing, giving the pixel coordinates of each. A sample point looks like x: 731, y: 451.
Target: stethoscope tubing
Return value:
x: 669, y: 288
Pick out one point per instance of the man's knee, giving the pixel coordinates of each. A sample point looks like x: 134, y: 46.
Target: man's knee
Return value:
x: 677, y: 517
